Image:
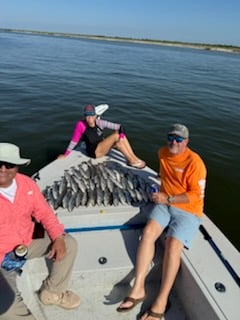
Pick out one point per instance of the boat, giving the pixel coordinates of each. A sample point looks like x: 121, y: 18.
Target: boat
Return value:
x: 108, y: 233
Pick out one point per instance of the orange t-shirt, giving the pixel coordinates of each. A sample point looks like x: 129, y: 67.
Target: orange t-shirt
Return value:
x: 184, y: 173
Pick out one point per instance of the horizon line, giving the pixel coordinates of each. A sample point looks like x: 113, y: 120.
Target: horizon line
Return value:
x: 218, y: 47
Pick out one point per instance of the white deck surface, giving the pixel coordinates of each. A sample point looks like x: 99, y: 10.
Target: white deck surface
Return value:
x: 101, y: 287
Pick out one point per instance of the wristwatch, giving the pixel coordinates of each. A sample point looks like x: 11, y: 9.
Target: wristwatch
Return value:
x: 170, y: 199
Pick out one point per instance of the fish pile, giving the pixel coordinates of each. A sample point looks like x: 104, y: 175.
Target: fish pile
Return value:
x: 107, y: 183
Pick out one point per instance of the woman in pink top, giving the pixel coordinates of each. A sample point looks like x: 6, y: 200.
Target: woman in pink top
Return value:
x: 90, y: 130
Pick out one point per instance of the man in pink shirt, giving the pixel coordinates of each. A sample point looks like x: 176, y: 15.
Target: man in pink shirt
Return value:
x: 21, y: 204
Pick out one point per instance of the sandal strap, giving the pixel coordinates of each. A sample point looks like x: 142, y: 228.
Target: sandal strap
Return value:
x: 155, y: 314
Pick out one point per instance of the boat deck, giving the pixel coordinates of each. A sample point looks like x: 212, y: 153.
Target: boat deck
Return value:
x: 108, y: 238
x: 100, y: 286
x: 103, y: 274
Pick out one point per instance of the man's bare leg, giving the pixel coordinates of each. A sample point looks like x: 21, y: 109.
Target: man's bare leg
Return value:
x: 171, y: 263
x: 145, y: 254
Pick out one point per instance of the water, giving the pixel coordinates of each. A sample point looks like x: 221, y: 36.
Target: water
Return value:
x: 46, y: 81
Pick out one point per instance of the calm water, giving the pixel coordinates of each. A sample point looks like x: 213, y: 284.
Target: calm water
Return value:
x: 46, y: 81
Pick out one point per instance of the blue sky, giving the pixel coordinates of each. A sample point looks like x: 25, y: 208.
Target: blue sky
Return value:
x: 203, y: 21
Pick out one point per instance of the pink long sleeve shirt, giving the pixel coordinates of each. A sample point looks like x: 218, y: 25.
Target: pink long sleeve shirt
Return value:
x: 16, y: 219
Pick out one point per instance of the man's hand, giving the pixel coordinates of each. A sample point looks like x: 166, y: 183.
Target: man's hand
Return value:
x: 58, y: 249
x: 159, y: 197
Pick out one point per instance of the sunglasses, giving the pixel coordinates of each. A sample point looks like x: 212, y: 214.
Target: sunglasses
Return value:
x: 7, y: 165
x: 89, y: 114
x: 178, y: 139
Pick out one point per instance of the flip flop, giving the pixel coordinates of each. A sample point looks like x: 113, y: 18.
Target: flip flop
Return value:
x: 140, y: 164
x: 156, y: 315
x: 134, y: 303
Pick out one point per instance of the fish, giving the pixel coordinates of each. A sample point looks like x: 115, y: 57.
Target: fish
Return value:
x: 72, y: 202
x: 115, y: 197
x: 91, y: 198
x: 81, y: 185
x: 66, y: 198
x: 62, y: 186
x: 84, y: 169
x: 78, y: 199
x: 110, y: 185
x: 99, y: 196
x: 121, y: 196
x: 107, y: 183
x: 107, y: 198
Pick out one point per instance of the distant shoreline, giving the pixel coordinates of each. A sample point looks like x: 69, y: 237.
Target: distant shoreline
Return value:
x: 212, y: 47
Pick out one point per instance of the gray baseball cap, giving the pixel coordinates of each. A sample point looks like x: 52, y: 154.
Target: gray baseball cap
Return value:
x: 180, y: 130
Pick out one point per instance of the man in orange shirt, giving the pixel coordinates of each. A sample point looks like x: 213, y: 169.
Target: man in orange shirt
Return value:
x: 178, y: 206
x: 21, y: 203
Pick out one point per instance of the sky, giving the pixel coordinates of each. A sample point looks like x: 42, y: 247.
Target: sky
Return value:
x: 203, y: 21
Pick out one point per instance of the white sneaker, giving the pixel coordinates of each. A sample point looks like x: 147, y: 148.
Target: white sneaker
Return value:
x: 66, y: 300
